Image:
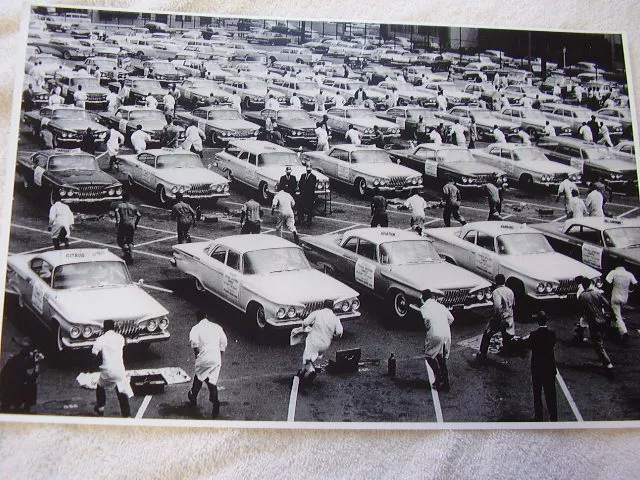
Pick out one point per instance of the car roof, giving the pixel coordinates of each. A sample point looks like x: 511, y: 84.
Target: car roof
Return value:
x: 63, y: 151
x: 570, y: 107
x: 576, y: 142
x: 441, y: 146
x: 349, y: 147
x: 249, y: 243
x: 381, y: 235
x: 78, y: 255
x: 167, y: 150
x: 131, y: 108
x: 62, y: 107
x: 602, y: 223
x: 499, y: 228
x: 259, y: 146
x: 512, y: 146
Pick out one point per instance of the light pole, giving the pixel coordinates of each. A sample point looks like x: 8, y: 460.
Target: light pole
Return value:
x: 564, y: 57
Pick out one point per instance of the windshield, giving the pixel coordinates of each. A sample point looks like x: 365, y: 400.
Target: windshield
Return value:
x: 163, y: 68
x: 106, y: 64
x: 370, y: 156
x: 203, y: 84
x: 597, y: 152
x: 146, y: 115
x: 455, y: 156
x: 274, y: 260
x: 530, y: 155
x: 147, y: 84
x: 72, y: 162
x: 87, y: 82
x: 72, y: 114
x: 293, y: 115
x: 408, y: 251
x: 224, y: 115
x: 90, y: 275
x: 256, y: 85
x: 623, y: 237
x: 308, y: 86
x: 360, y: 113
x: 352, y: 86
x: 523, y: 244
x: 416, y: 113
x: 486, y: 114
x: 179, y: 161
x: 534, y: 115
x: 277, y: 159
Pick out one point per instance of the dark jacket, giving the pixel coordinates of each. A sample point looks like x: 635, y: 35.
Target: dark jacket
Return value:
x: 289, y: 184
x: 307, y: 185
x: 542, y: 342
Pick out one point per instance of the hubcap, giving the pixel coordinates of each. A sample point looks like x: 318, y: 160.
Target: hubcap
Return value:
x: 401, y: 304
x: 261, y: 320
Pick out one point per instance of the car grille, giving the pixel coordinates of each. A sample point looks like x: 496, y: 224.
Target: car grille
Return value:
x: 242, y: 133
x: 312, y: 307
x: 88, y: 192
x: 397, y: 181
x: 456, y: 296
x: 558, y: 178
x: 128, y: 328
x: 96, y: 97
x: 201, y: 190
x: 567, y: 286
x: 481, y: 179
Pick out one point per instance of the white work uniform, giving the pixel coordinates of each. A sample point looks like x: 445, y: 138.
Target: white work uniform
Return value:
x: 323, y: 139
x: 458, y: 134
x: 139, y: 140
x: 435, y: 137
x: 567, y: 188
x: 595, y: 204
x: 620, y: 279
x: 80, y: 99
x: 210, y: 340
x: 499, y: 136
x: 353, y: 136
x: 416, y: 205
x: 320, y: 101
x: 441, y: 102
x: 526, y: 139
x: 585, y: 132
x: 112, y: 102
x: 112, y: 371
x: 272, y: 104
x: 151, y: 102
x: 235, y: 101
x: 284, y: 203
x: 324, y: 326
x: 339, y: 100
x: 60, y: 216
x: 114, y: 141
x: 193, y: 137
x: 549, y: 130
x: 437, y: 319
x: 169, y: 104
x: 577, y: 208
x: 56, y: 99
x: 526, y: 102
x: 295, y: 102
x: 503, y: 301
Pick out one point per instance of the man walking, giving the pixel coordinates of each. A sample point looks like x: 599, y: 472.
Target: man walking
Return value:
x: 451, y: 199
x: 595, y: 202
x: 307, y: 189
x: 139, y: 139
x: 127, y: 219
x: 193, y: 139
x: 250, y: 217
x: 494, y: 196
x: 567, y: 189
x: 284, y: 204
x: 437, y: 344
x: 60, y: 221
x: 88, y: 143
x: 501, y: 320
x: 184, y: 216
x: 169, y: 106
x: 209, y: 342
x: 113, y: 146
x: 416, y: 205
x: 591, y: 303
x: 621, y: 281
x: 171, y: 135
x: 379, y: 216
x: 109, y: 346
x: 543, y: 368
x: 323, y: 138
x: 323, y: 325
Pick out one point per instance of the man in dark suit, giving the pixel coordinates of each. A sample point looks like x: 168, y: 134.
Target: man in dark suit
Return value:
x: 307, y: 189
x: 288, y: 182
x: 543, y: 368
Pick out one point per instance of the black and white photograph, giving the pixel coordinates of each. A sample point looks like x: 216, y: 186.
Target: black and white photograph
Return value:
x: 303, y: 222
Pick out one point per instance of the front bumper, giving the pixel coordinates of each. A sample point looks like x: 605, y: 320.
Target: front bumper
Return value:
x: 88, y: 343
x: 296, y: 322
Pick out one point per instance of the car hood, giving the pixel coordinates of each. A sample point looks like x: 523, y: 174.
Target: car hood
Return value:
x: 370, y: 122
x: 299, y: 124
x: 472, y: 168
x: 204, y: 92
x: 75, y: 125
x: 76, y: 177
x: 384, y: 170
x: 184, y: 176
x: 434, y: 276
x: 613, y: 163
x: 94, y: 305
x: 501, y: 123
x: 293, y: 287
x: 148, y: 125
x: 536, y: 266
x: 233, y: 124
x: 632, y: 254
x: 548, y: 167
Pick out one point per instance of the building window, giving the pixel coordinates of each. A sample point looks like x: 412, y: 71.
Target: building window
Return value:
x: 179, y: 18
x: 187, y: 18
x: 146, y: 16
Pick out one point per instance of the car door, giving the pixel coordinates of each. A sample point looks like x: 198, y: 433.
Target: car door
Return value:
x: 145, y: 165
x: 214, y: 270
x: 366, y: 267
x: 37, y: 285
x: 584, y: 244
x: 231, y: 278
x: 336, y: 165
x: 485, y: 256
x: 348, y: 257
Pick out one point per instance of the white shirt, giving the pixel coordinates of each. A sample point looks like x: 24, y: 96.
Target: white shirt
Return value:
x: 586, y: 133
x: 324, y: 326
x: 80, y: 98
x: 284, y: 202
x: 353, y: 136
x: 272, y: 104
x: 620, y: 279
x: 416, y: 205
x: 295, y: 102
x: 594, y: 204
x: 210, y: 340
x: 527, y: 102
x: 169, y: 102
x: 323, y: 136
x: 60, y: 216
x: 503, y: 301
x: 112, y: 371
x: 437, y: 319
x: 526, y: 139
x: 56, y: 99
x: 458, y: 131
x: 499, y: 136
x: 151, y: 102
x: 567, y: 187
x: 193, y: 136
x: 112, y: 100
x: 339, y: 100
x: 549, y: 130
x: 114, y: 141
x: 435, y: 137
x: 235, y: 101
x: 139, y: 140
x: 442, y: 102
x: 577, y: 207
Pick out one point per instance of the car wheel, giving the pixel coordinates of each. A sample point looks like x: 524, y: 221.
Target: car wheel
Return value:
x: 360, y: 186
x: 140, y: 54
x: 257, y: 321
x: 161, y: 195
x: 246, y: 103
x: 228, y: 174
x: 198, y: 284
x: 213, y: 139
x: 55, y: 142
x: 299, y: 60
x: 35, y: 131
x: 51, y: 199
x: 38, y: 51
x: 58, y: 346
x: 533, y: 134
x: 66, y: 55
x: 526, y: 182
x: 263, y: 189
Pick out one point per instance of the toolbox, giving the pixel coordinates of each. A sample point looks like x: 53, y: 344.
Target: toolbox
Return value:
x: 147, y: 384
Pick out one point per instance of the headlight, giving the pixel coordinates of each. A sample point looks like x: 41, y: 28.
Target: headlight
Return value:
x: 70, y: 193
x: 504, y: 180
x: 344, y: 306
x: 488, y: 293
x: 182, y: 189
x: 549, y: 287
x: 383, y: 182
x: 573, y: 178
x: 87, y: 331
x: 414, y: 181
x: 225, y: 134
x: 74, y: 332
x: 544, y: 178
x: 111, y: 191
x: 119, y: 191
x: 540, y: 288
x: 152, y: 325
x: 281, y: 312
x: 225, y: 188
x: 174, y: 189
x: 163, y: 323
x: 376, y: 182
x: 465, y: 180
x: 368, y: 130
x: 291, y: 312
x: 355, y: 304
x: 598, y: 282
x: 213, y: 186
x: 63, y: 192
x: 219, y: 188
x: 480, y: 295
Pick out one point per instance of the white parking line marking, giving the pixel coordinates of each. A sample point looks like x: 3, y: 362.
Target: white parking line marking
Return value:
x: 164, y: 239
x: 434, y: 394
x: 143, y: 407
x: 629, y: 212
x: 293, y: 399
x: 43, y: 249
x: 559, y: 218
x: 567, y: 394
x: 160, y: 289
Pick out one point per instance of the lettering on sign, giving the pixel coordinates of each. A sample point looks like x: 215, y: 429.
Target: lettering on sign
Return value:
x: 577, y: 163
x: 37, y: 296
x: 122, y: 125
x: 343, y: 172
x: 592, y: 255
x: 507, y: 166
x: 484, y: 263
x: 231, y: 286
x: 201, y: 124
x: 431, y: 168
x: 365, y: 273
x: 37, y: 175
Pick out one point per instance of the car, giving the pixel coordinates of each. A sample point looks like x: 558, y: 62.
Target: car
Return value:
x: 396, y: 266
x: 515, y: 94
x: 452, y: 93
x: 594, y: 161
x: 294, y: 54
x: 167, y: 171
x: 599, y: 242
x: 140, y: 88
x: 67, y: 124
x: 267, y: 38
x: 109, y: 69
x: 445, y: 162
x: 533, y: 270
x: 347, y: 88
x: 69, y: 82
x: 485, y: 121
x: 219, y: 123
x: 289, y: 69
x: 196, y: 92
x: 519, y: 78
x: 48, y: 65
x: 40, y: 96
x: 574, y: 116
x: 163, y: 71
x: 484, y: 91
x: 259, y: 165
x: 64, y: 47
x: 193, y: 67
x: 532, y: 121
x: 127, y: 118
x: 266, y: 277
x: 252, y: 92
x: 366, y: 169
x: 305, y: 90
x: 621, y: 115
x: 73, y: 174
x: 71, y: 292
x: 362, y: 119
x: 407, y: 94
x: 626, y: 147
x: 295, y: 125
x: 525, y: 165
x: 150, y: 48
x: 407, y: 118
x: 62, y: 22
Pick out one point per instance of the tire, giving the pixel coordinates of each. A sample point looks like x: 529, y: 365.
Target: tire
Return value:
x: 522, y: 302
x: 299, y: 60
x: 533, y: 134
x: 360, y: 186
x: 526, y: 182
x: 161, y: 195
x: 140, y: 54
x: 66, y: 55
x: 198, y: 284
x: 213, y: 139
x: 38, y: 51
x: 263, y: 190
x: 26, y: 184
x: 228, y: 174
x: 55, y: 141
x: 257, y: 322
x: 51, y: 201
x: 35, y: 131
x: 246, y: 103
x: 397, y: 308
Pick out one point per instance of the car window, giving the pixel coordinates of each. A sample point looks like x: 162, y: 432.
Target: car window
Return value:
x: 566, y: 150
x: 147, y: 159
x: 367, y: 249
x: 351, y: 245
x: 219, y: 253
x: 233, y: 260
x: 485, y: 241
x: 585, y: 233
x: 233, y: 151
x: 253, y: 160
x: 243, y: 156
x: 340, y: 154
x: 200, y: 113
x: 42, y: 269
x: 470, y: 236
x: 425, y: 153
x: 505, y: 154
